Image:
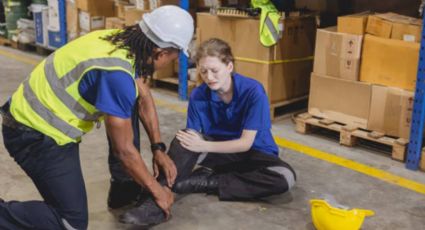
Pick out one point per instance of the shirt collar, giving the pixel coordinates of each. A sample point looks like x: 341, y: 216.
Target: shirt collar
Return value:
x: 216, y: 98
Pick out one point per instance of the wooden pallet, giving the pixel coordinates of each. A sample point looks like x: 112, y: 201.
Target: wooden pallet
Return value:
x: 32, y: 47
x: 8, y: 43
x: 281, y: 109
x: 349, y: 135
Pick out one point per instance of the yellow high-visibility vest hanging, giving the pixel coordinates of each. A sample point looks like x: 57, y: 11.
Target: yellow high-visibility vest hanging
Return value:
x: 270, y: 25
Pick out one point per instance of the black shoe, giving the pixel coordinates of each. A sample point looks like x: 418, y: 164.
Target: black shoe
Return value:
x: 147, y: 214
x: 201, y: 180
x: 123, y: 193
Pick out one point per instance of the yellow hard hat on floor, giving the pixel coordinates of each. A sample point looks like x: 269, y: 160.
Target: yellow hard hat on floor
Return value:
x: 327, y: 217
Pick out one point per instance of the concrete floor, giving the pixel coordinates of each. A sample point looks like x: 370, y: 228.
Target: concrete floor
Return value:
x: 395, y: 207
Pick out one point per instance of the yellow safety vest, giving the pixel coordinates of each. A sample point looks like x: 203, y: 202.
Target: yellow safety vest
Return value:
x: 270, y: 25
x: 48, y: 100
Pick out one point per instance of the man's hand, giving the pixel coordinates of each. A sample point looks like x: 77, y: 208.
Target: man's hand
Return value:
x: 164, y: 198
x: 191, y: 140
x: 161, y: 161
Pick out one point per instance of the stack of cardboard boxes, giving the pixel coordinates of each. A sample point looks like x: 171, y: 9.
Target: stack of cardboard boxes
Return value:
x: 365, y: 70
x: 84, y: 16
x: 283, y: 69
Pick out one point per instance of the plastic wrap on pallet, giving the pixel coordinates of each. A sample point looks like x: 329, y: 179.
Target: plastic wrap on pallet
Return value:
x: 26, y: 31
x: 14, y: 10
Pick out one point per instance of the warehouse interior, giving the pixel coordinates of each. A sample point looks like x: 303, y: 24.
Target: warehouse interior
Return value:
x: 341, y: 89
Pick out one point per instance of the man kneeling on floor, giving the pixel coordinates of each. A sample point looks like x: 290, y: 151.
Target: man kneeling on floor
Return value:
x: 227, y: 148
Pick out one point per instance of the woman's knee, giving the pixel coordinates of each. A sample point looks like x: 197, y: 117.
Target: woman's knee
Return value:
x: 285, y: 178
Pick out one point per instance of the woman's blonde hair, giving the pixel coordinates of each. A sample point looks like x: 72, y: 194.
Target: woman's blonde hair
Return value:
x: 215, y: 47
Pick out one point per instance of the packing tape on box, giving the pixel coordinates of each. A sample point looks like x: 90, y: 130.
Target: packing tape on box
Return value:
x: 276, y: 61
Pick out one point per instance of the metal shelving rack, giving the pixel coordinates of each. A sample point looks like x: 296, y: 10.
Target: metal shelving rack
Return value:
x: 418, y: 116
x: 183, y: 63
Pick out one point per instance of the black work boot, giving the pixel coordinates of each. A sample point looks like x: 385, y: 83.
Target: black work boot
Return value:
x: 122, y: 193
x: 201, y: 180
x: 146, y: 214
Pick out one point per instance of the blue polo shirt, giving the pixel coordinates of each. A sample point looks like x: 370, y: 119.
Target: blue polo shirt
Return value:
x: 249, y: 109
x: 111, y: 92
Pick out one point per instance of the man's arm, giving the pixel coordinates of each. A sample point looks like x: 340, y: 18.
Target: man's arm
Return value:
x: 120, y: 132
x: 149, y: 118
x: 147, y: 111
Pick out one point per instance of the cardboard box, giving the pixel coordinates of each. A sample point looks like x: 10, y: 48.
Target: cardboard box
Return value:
x: 97, y: 7
x: 142, y: 4
x: 340, y: 100
x: 297, y: 41
x: 395, y: 26
x: 120, y: 7
x: 114, y: 23
x: 282, y: 82
x: 72, y: 28
x: 133, y: 15
x: 389, y: 62
x: 391, y: 111
x: 337, y: 54
x: 353, y: 24
x: 88, y: 22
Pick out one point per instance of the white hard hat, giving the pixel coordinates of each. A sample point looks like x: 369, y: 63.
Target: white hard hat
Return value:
x: 168, y: 26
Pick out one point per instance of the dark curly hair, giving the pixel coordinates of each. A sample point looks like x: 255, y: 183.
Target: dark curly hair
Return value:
x: 139, y: 47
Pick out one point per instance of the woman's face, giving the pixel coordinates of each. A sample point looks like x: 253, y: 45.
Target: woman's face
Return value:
x: 215, y: 73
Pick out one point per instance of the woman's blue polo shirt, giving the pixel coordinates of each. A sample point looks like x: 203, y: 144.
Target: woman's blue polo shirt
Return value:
x: 249, y: 109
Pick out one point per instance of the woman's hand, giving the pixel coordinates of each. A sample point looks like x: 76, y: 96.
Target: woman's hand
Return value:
x: 192, y: 141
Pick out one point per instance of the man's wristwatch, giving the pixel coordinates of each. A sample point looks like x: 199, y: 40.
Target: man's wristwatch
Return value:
x: 158, y: 146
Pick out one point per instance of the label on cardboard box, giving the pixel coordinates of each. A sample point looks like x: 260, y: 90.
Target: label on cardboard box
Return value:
x: 409, y: 38
x: 97, y: 22
x: 84, y: 20
x: 142, y: 4
x: 114, y: 23
x: 54, y: 22
x: 89, y: 23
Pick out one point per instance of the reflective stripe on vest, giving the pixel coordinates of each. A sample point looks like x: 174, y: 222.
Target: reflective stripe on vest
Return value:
x: 58, y: 85
x: 272, y: 29
x: 48, y: 116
